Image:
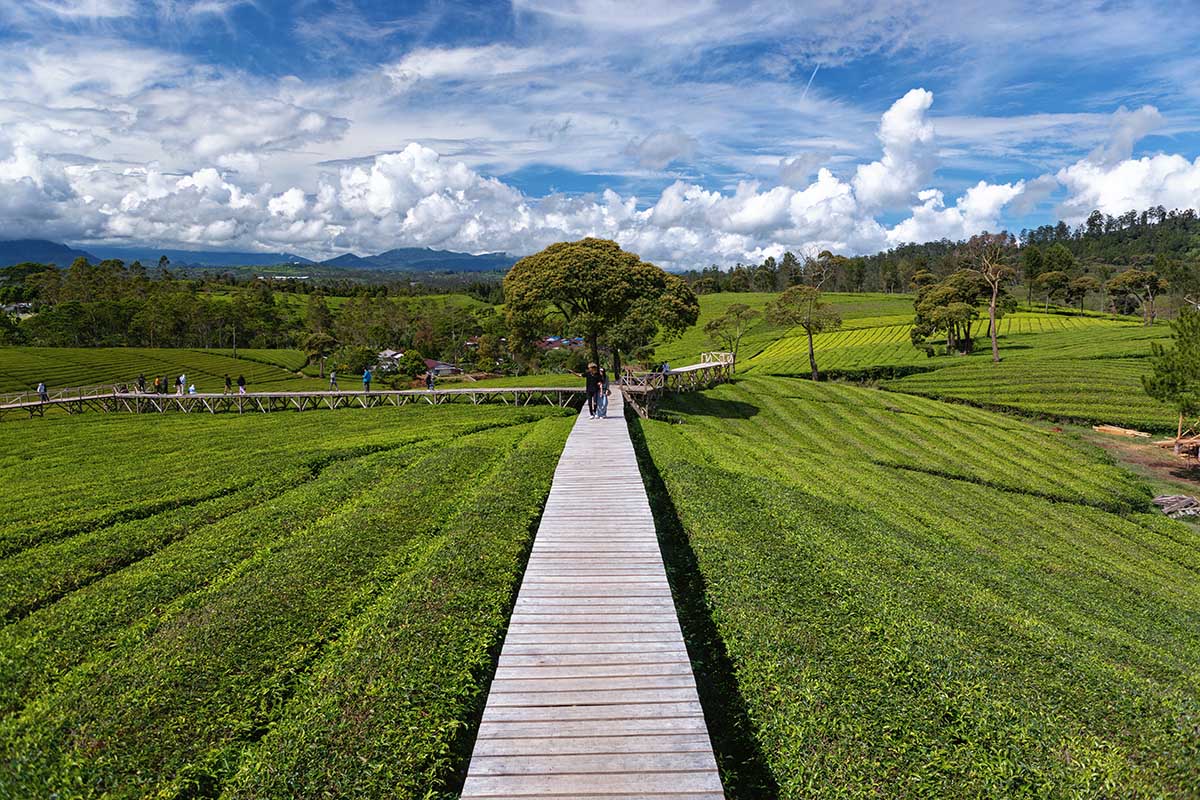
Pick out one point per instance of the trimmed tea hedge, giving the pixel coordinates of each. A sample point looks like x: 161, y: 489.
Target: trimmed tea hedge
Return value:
x: 922, y: 600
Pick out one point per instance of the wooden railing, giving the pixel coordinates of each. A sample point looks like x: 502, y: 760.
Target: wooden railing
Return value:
x: 644, y: 389
x: 265, y: 402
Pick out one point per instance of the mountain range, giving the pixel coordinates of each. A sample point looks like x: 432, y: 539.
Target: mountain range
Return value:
x: 403, y: 259
x: 424, y: 259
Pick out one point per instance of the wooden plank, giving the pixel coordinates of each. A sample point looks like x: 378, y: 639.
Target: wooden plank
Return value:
x: 590, y: 784
x: 593, y: 745
x: 594, y: 693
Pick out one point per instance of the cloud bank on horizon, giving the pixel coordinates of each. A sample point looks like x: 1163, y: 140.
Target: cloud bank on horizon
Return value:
x: 692, y: 133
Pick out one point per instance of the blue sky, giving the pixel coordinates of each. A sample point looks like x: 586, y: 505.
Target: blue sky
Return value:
x: 691, y: 132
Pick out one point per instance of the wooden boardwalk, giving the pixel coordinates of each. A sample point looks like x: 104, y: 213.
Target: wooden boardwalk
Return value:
x: 594, y: 695
x: 266, y: 402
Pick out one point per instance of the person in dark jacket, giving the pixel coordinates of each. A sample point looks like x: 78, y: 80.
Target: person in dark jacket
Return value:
x: 592, y: 386
x: 602, y: 396
x: 241, y: 383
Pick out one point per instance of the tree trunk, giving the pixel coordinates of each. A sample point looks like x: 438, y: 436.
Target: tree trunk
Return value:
x: 616, y: 373
x: 594, y: 349
x: 992, y: 323
x: 812, y: 358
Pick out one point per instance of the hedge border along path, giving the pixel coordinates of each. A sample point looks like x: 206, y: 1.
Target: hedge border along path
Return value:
x: 164, y: 711
x: 936, y: 632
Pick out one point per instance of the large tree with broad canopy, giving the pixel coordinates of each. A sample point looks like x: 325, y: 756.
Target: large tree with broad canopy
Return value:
x: 600, y: 292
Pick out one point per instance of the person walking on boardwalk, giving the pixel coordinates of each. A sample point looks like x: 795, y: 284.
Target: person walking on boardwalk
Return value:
x: 228, y: 385
x: 141, y: 383
x: 333, y: 387
x: 602, y: 396
x: 367, y: 379
x: 163, y: 386
x: 592, y: 386
x: 43, y: 395
x: 429, y: 380
x: 241, y: 382
x: 178, y: 384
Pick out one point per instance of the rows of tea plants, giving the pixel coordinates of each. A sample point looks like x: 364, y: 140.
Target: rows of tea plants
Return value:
x: 872, y: 343
x: 291, y: 360
x: 338, y: 607
x: 931, y: 600
x: 1097, y: 390
x: 857, y: 310
x: 22, y: 368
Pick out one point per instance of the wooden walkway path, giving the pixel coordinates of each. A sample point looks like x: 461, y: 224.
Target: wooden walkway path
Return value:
x: 266, y: 402
x: 594, y: 695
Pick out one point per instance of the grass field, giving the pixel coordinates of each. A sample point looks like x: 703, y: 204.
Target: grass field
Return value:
x: 21, y: 368
x: 259, y: 606
x: 930, y: 600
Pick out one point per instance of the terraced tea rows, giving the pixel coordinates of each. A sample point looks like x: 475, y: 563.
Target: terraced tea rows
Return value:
x: 935, y: 599
x: 856, y: 309
x: 21, y: 368
x: 1098, y: 390
x: 866, y: 346
x: 336, y: 607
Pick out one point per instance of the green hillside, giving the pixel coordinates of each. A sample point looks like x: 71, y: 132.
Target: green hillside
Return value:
x: 21, y: 368
x: 927, y: 600
x: 253, y: 604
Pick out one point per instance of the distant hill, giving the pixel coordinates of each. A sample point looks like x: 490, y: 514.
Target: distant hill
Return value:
x: 348, y: 260
x: 17, y: 251
x: 198, y: 258
x: 402, y: 259
x: 424, y: 259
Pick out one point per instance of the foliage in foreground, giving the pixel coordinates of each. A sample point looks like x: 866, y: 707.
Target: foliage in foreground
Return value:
x: 922, y: 600
x: 330, y: 636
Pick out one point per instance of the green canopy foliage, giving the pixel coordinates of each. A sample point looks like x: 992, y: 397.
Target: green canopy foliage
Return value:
x: 596, y: 290
x: 802, y: 306
x: 1175, y: 376
x: 728, y: 329
x: 947, y: 308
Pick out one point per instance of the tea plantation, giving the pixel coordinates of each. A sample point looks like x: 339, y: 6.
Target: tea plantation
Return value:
x: 889, y: 588
x: 22, y: 368
x: 259, y: 606
x: 929, y: 600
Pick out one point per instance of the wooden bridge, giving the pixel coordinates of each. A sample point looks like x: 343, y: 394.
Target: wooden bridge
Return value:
x: 594, y: 694
x: 645, y: 389
x: 642, y: 389
x: 265, y: 402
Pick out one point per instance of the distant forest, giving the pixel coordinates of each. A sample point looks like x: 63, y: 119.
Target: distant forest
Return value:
x: 1165, y: 242
x: 113, y: 304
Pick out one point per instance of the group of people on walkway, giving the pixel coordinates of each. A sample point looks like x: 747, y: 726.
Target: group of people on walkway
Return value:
x: 596, y: 385
x: 182, y: 387
x: 368, y: 376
